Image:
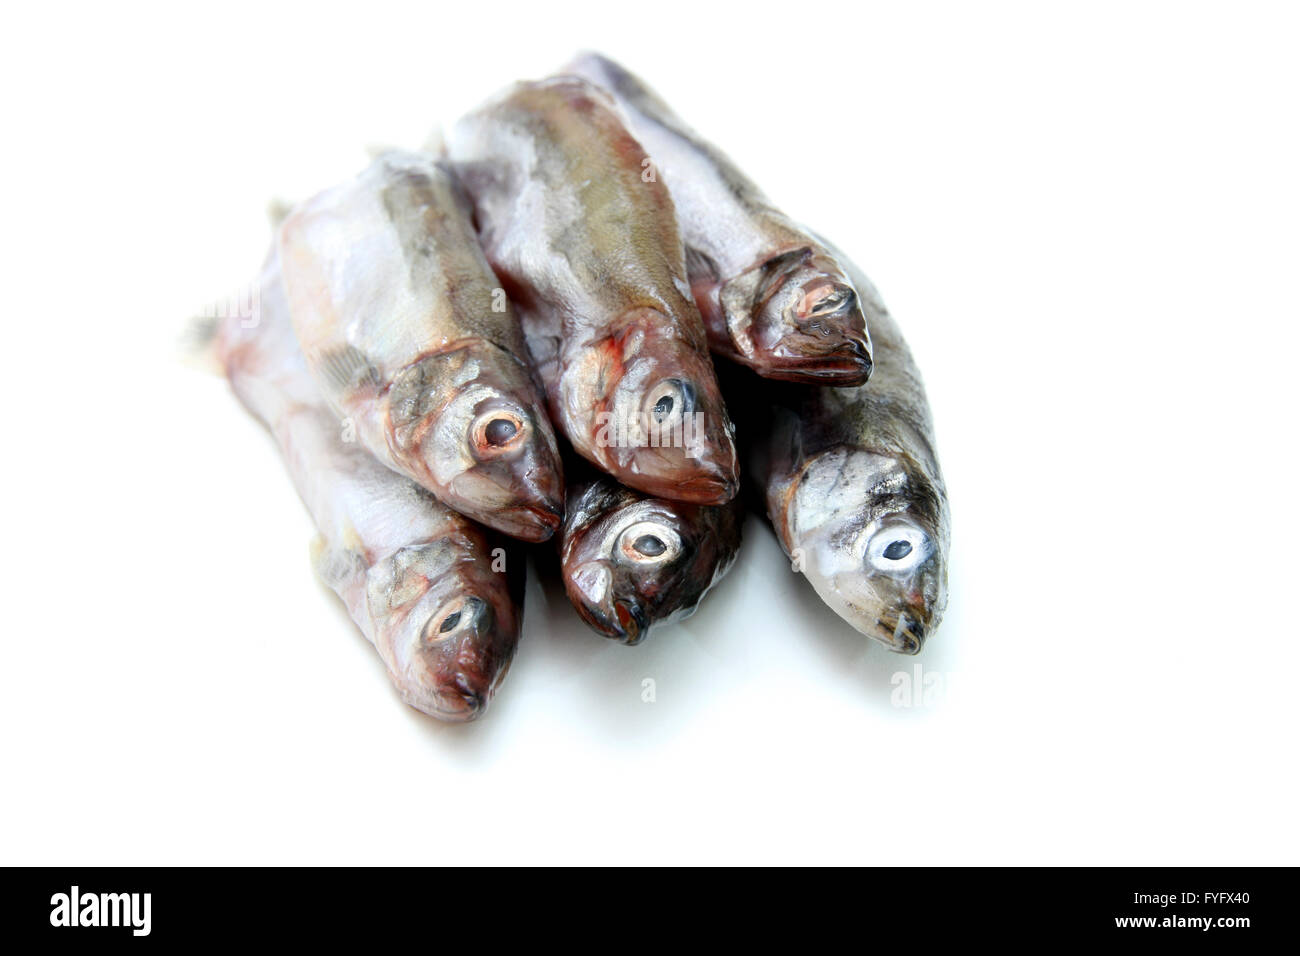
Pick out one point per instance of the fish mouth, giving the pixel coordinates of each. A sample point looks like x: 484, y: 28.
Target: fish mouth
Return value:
x: 589, y: 586
x: 531, y: 523
x: 630, y: 623
x: 458, y: 703
x: 627, y: 623
x: 521, y: 499
x: 706, y: 489
x: 904, y: 633
x: 846, y: 364
x: 712, y: 487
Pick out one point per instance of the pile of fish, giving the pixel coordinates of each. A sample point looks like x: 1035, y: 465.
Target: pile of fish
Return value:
x: 514, y: 341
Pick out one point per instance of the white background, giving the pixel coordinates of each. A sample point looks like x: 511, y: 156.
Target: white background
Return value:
x: 1086, y: 219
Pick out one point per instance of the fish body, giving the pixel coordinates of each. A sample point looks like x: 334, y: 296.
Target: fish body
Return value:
x: 410, y: 337
x: 428, y: 587
x: 773, y: 297
x: 590, y: 252
x: 854, y: 490
x: 631, y: 561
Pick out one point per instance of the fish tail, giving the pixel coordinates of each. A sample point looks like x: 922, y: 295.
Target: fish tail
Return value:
x: 277, y: 210
x: 376, y: 151
x: 207, y: 338
x: 197, y: 343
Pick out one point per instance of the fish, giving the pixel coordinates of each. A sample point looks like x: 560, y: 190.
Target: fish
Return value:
x: 631, y: 561
x: 852, y: 486
x: 438, y: 596
x: 412, y: 340
x: 590, y: 253
x: 773, y: 297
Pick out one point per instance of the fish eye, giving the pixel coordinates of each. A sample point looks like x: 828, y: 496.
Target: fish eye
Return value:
x: 669, y: 401
x: 450, y: 621
x: 497, y: 432
x: 649, y: 545
x: 898, y: 547
x: 648, y: 542
x: 824, y: 301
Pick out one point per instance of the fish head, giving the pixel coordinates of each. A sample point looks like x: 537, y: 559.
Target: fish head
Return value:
x: 630, y: 562
x: 806, y: 323
x: 446, y: 622
x: 872, y: 531
x: 483, y: 437
x: 646, y: 403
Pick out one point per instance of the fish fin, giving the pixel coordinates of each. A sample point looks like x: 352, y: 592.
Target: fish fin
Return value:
x: 317, y: 550
x: 700, y: 265
x: 335, y: 566
x: 347, y: 367
x: 205, y: 340
x: 277, y: 211
x: 197, y: 343
x: 737, y: 300
x: 435, y: 143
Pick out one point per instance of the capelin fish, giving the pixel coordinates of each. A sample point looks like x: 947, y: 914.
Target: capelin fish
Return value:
x: 590, y: 253
x: 631, y: 561
x: 438, y: 597
x: 773, y: 297
x: 410, y: 337
x: 854, y: 490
